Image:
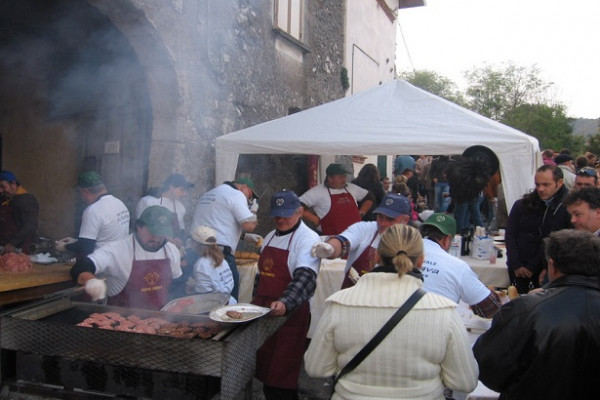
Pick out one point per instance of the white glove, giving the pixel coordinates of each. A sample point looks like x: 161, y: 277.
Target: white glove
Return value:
x: 59, y: 245
x: 254, y: 206
x: 253, y: 238
x: 96, y: 288
x: 322, y: 250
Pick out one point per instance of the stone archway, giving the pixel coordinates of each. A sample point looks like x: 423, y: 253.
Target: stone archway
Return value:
x: 79, y: 90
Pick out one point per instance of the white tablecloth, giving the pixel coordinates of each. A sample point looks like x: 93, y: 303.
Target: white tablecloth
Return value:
x: 248, y: 273
x: 490, y: 274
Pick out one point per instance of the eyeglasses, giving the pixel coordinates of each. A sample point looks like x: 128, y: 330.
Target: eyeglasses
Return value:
x: 587, y: 172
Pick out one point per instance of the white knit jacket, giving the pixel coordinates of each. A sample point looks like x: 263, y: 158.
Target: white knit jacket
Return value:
x: 428, y: 349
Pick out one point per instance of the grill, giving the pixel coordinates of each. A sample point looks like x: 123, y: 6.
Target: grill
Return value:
x: 48, y: 328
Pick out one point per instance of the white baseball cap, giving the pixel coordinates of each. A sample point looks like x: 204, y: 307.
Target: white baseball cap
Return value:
x: 205, y: 235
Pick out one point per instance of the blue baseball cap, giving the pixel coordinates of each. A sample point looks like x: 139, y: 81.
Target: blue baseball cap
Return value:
x: 7, y: 176
x: 392, y: 205
x: 284, y: 204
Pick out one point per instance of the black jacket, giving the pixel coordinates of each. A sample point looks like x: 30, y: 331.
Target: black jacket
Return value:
x: 545, y: 345
x: 529, y: 225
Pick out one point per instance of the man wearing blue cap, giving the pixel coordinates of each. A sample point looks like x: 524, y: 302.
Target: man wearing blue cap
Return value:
x: 19, y: 211
x: 359, y: 242
x: 287, y: 280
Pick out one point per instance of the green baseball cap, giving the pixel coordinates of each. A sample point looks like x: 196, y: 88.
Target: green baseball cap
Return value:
x: 88, y: 179
x: 336, y: 169
x: 158, y: 221
x: 248, y: 182
x: 444, y: 222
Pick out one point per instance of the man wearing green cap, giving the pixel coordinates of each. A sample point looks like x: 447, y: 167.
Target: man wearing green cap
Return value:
x: 136, y: 271
x: 450, y: 276
x: 334, y: 203
x: 230, y: 209
x: 104, y: 220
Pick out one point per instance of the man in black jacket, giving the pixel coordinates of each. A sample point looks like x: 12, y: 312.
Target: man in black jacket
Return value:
x: 546, y: 345
x: 531, y: 219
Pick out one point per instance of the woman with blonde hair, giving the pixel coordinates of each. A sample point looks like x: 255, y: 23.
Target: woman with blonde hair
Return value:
x: 425, y: 352
x: 211, y: 271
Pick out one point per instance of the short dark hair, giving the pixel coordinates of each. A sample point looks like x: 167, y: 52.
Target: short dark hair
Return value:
x: 556, y: 172
x: 574, y: 252
x: 431, y: 232
x: 589, y: 195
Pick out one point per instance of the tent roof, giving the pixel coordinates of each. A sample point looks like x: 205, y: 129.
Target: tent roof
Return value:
x: 393, y: 118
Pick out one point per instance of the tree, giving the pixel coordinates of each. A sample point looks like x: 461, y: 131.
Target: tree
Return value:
x: 593, y: 144
x: 435, y: 83
x: 548, y: 124
x: 492, y: 92
x: 517, y: 96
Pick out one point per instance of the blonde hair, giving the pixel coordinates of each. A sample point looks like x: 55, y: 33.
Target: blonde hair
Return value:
x: 211, y: 251
x: 400, y: 246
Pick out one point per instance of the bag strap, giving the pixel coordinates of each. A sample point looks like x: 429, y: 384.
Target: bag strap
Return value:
x: 383, y: 332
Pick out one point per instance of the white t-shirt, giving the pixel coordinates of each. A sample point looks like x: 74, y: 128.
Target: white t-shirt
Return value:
x: 175, y: 206
x: 360, y: 235
x: 302, y: 240
x: 224, y: 209
x: 450, y: 277
x: 318, y: 197
x: 209, y: 279
x: 105, y: 221
x: 114, y: 261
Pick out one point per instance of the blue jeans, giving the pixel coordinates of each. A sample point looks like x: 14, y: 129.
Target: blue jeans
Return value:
x: 441, y: 202
x: 465, y: 212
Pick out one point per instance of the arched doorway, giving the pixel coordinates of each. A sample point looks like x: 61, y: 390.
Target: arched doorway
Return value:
x: 73, y: 96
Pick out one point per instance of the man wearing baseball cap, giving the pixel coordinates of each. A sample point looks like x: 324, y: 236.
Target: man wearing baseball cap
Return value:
x: 565, y: 163
x: 174, y: 188
x: 450, y: 276
x: 136, y: 271
x: 105, y: 219
x: 287, y: 280
x: 360, y: 240
x: 19, y: 211
x: 230, y: 209
x: 334, y: 203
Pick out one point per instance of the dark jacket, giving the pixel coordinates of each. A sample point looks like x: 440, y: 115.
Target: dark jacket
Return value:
x: 22, y: 210
x: 529, y: 225
x: 545, y: 345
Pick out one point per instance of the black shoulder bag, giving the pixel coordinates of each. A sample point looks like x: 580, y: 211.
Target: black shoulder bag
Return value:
x: 379, y: 336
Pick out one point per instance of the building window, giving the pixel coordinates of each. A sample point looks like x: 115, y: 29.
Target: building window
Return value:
x: 288, y: 17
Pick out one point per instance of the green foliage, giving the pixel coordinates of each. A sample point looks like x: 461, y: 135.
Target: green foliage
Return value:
x: 344, y: 78
x: 548, y: 124
x: 432, y: 82
x: 593, y: 144
x: 493, y: 92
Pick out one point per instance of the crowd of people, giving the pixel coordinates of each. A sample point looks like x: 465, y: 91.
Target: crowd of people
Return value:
x: 394, y: 235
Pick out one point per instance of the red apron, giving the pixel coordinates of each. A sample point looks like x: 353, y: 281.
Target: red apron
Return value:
x: 343, y: 213
x: 279, y: 359
x: 10, y: 227
x: 363, y: 264
x: 148, y: 284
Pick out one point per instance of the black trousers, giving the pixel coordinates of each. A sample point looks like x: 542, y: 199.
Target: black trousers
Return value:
x: 274, y: 393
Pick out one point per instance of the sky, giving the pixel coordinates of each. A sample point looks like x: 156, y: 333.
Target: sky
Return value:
x: 562, y: 38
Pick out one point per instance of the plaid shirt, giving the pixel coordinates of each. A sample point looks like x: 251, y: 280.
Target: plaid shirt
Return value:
x: 300, y: 289
x: 488, y: 306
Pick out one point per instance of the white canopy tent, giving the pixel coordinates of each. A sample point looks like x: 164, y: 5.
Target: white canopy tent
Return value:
x: 395, y: 118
